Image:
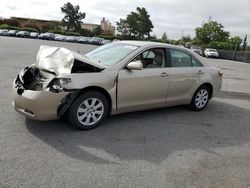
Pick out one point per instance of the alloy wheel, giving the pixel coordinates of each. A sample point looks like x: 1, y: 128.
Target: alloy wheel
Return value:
x: 90, y: 111
x: 201, y: 98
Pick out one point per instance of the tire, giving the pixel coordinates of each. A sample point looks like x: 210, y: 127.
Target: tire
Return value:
x: 88, y: 110
x: 200, y: 98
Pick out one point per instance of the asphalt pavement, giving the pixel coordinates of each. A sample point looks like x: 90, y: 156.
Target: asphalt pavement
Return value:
x: 171, y: 147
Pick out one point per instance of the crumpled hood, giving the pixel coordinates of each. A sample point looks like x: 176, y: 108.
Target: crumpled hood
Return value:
x: 60, y: 60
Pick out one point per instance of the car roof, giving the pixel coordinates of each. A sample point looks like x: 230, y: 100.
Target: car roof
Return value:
x: 210, y: 49
x: 145, y: 43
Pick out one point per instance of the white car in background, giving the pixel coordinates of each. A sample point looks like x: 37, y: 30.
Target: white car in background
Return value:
x: 209, y: 52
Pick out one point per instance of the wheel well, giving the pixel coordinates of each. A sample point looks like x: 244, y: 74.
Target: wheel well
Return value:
x: 98, y: 89
x: 210, y: 87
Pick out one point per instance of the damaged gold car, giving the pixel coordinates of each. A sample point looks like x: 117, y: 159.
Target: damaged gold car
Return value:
x: 115, y: 78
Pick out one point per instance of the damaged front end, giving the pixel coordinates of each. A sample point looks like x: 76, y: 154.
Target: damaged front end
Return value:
x: 52, y: 63
x: 39, y: 89
x: 31, y: 78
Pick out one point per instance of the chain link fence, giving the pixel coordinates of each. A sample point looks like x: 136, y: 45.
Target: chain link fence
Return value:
x: 243, y: 56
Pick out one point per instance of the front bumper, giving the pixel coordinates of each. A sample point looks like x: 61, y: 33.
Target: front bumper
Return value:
x: 38, y: 105
x: 212, y: 55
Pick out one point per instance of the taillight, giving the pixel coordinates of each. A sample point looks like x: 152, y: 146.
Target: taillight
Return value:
x: 220, y: 72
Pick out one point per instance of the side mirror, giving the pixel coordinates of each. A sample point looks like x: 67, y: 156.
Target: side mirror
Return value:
x: 135, y: 65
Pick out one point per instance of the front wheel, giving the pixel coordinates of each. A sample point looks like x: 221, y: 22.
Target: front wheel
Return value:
x: 88, y: 110
x: 200, y: 98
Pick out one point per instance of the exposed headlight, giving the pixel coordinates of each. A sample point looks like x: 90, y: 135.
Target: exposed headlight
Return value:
x: 58, y: 84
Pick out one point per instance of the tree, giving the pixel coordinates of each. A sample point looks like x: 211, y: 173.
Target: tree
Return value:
x: 244, y: 45
x: 164, y: 36
x: 73, y: 17
x: 137, y: 24
x: 186, y: 38
x: 211, y: 31
x: 145, y: 24
x: 47, y: 26
x: 97, y: 30
x: 123, y: 27
x: 235, y: 41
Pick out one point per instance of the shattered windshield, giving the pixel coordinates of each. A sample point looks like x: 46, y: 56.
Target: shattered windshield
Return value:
x: 111, y: 53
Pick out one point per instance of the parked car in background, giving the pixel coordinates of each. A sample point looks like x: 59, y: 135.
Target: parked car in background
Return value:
x: 197, y: 50
x: 72, y: 39
x: 82, y: 40
x: 47, y: 36
x: 209, y: 52
x: 24, y: 34
x: 115, y: 78
x: 4, y: 32
x: 34, y: 35
x: 88, y: 40
x: 59, y: 37
x: 95, y: 40
x: 105, y: 42
x: 12, y: 32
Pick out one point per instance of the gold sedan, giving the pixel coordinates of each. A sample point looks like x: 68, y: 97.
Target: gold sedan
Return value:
x: 115, y: 78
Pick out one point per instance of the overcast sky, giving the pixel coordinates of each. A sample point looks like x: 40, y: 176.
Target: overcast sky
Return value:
x: 176, y: 17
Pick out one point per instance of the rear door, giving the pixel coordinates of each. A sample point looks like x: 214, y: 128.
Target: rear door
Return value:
x: 184, y: 76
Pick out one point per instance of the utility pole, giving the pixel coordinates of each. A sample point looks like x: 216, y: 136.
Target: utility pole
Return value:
x: 244, y: 47
x: 235, y: 48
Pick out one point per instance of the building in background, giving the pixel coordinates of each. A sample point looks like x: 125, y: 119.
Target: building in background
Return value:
x: 39, y: 24
x: 89, y: 26
x: 106, y: 26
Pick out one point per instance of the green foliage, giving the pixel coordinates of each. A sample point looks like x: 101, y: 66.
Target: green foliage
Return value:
x: 159, y: 40
x: 73, y: 33
x: 97, y: 30
x: 31, y: 24
x: 28, y: 29
x: 48, y: 26
x: 73, y: 17
x: 164, y: 36
x: 86, y: 32
x: 235, y: 41
x: 196, y: 41
x: 123, y: 27
x: 145, y: 24
x: 62, y: 32
x: 186, y: 38
x: 220, y: 45
x: 211, y: 31
x: 5, y: 26
x: 136, y: 25
x: 110, y: 37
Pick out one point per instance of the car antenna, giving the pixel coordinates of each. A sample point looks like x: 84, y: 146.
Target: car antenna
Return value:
x: 78, y: 51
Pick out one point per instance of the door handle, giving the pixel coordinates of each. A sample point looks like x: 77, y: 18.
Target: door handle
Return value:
x: 200, y: 72
x: 164, y: 74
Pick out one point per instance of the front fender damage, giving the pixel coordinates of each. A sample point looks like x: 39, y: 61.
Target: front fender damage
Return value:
x: 91, y: 81
x: 66, y: 103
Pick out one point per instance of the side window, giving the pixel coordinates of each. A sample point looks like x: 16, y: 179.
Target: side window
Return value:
x: 152, y: 58
x: 180, y: 58
x: 195, y: 62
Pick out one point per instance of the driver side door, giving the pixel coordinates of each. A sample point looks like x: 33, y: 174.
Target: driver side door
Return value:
x: 138, y: 89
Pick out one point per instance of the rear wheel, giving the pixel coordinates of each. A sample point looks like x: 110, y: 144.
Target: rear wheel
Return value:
x: 200, y: 98
x: 88, y: 110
